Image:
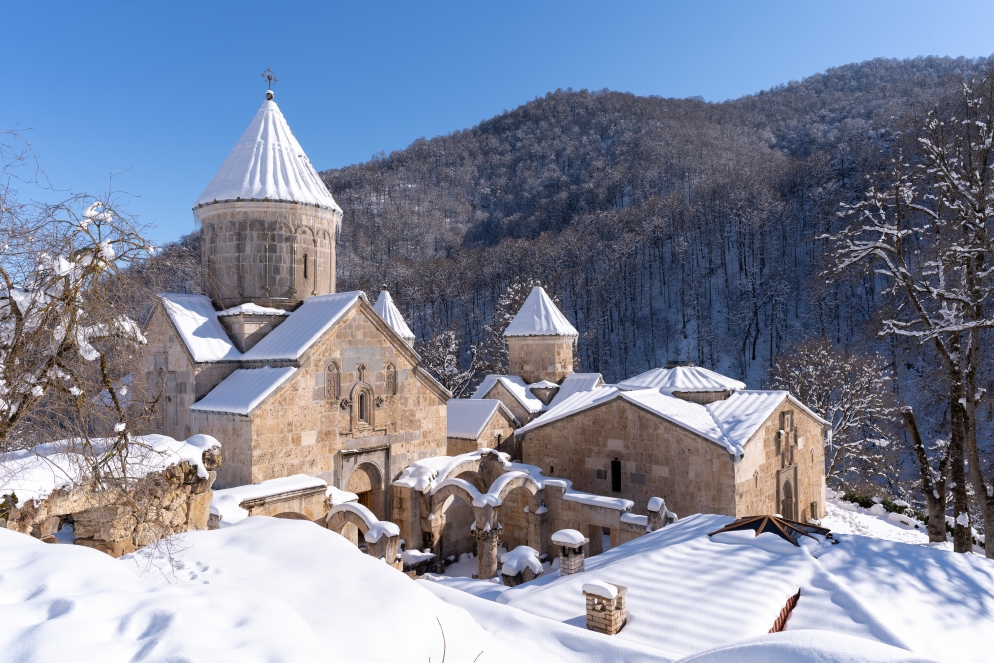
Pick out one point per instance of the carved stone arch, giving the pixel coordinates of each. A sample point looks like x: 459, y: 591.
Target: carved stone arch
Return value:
x: 522, y: 480
x: 338, y: 518
x: 439, y: 500
x: 366, y: 481
x: 363, y: 406
x: 472, y: 465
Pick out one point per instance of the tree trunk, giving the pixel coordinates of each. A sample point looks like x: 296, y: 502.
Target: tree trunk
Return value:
x: 983, y: 492
x: 933, y: 489
x: 962, y: 541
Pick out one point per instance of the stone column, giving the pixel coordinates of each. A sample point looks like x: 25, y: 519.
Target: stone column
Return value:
x: 432, y: 540
x: 486, y: 552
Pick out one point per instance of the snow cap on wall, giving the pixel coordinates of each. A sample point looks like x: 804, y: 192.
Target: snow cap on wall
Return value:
x: 539, y: 316
x: 391, y: 315
x: 267, y: 163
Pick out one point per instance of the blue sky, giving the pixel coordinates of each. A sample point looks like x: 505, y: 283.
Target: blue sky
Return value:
x: 162, y: 91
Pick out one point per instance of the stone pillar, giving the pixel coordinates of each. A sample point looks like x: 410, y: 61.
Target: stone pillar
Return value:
x: 659, y: 515
x: 538, y: 528
x: 486, y: 552
x: 606, y: 611
x: 432, y: 540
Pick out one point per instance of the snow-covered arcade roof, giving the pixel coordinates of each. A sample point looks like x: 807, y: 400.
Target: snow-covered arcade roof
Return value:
x: 267, y: 163
x: 539, y: 316
x: 244, y: 390
x: 468, y: 417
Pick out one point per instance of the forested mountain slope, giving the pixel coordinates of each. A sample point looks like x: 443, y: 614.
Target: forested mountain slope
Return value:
x: 668, y: 228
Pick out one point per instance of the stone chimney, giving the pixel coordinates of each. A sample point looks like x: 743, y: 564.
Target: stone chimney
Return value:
x: 571, y: 553
x: 540, y: 340
x: 606, y: 611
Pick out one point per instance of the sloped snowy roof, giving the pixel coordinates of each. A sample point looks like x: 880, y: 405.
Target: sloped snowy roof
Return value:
x: 304, y: 327
x: 575, y: 382
x: 198, y: 326
x: 741, y: 414
x: 682, y: 378
x: 468, y: 417
x: 539, y: 316
x: 244, y: 390
x: 251, y: 309
x: 517, y: 388
x: 391, y: 315
x: 267, y: 163
x: 715, y: 593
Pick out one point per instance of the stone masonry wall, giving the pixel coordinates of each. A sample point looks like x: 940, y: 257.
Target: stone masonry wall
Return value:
x: 658, y: 458
x: 537, y: 358
x: 170, y: 371
x: 255, y: 251
x: 304, y: 426
x: 755, y: 475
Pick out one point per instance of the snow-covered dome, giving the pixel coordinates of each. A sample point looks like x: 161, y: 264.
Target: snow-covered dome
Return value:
x: 682, y: 378
x: 391, y: 315
x: 268, y: 163
x: 539, y: 316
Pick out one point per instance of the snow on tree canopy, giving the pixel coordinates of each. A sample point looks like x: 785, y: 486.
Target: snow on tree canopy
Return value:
x: 196, y: 321
x: 539, y: 316
x: 468, y: 417
x: 682, y: 378
x: 303, y: 327
x: 267, y: 163
x: 244, y: 390
x: 385, y: 307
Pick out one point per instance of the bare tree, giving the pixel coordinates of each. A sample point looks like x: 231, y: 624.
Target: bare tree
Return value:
x: 848, y: 390
x: 926, y: 231
x: 933, y: 480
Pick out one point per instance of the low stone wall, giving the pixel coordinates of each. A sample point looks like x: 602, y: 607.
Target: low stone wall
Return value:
x: 118, y: 522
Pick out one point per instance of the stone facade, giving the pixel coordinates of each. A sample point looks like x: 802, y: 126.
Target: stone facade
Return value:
x: 656, y: 457
x: 309, y: 425
x: 247, y: 329
x: 272, y: 253
x: 170, y: 370
x: 537, y: 358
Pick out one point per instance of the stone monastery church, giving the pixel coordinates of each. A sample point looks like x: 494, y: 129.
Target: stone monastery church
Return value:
x: 321, y: 394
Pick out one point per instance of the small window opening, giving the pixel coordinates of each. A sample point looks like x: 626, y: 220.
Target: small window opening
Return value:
x: 616, y: 475
x: 363, y: 407
x: 552, y: 471
x: 305, y: 265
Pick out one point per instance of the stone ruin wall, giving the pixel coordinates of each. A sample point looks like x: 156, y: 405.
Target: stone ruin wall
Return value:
x: 161, y: 504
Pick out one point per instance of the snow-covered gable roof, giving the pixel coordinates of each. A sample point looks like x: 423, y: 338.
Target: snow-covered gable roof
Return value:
x: 682, y: 378
x: 539, y: 316
x: 575, y: 382
x: 515, y: 386
x: 196, y: 321
x: 267, y: 163
x: 391, y: 315
x: 685, y: 414
x: 741, y: 414
x: 303, y: 327
x: 468, y: 417
x: 244, y: 390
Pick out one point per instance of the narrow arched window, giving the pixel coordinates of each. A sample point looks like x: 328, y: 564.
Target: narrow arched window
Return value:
x: 305, y: 266
x: 391, y: 380
x: 363, y: 407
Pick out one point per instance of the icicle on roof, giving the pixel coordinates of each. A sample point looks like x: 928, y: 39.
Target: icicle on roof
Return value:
x: 391, y: 315
x: 539, y: 316
x: 267, y: 163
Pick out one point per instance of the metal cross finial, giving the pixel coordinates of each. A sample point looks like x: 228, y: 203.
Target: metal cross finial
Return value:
x: 270, y: 77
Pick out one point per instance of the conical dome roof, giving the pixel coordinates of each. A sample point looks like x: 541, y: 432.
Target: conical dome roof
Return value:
x: 391, y: 315
x: 539, y: 316
x: 268, y: 163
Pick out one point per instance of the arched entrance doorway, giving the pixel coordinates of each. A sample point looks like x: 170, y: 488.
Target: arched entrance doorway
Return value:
x: 365, y: 482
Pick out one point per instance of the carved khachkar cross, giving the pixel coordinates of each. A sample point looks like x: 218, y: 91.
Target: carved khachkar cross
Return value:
x: 361, y: 370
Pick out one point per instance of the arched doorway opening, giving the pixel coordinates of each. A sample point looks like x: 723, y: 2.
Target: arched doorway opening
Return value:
x: 365, y: 482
